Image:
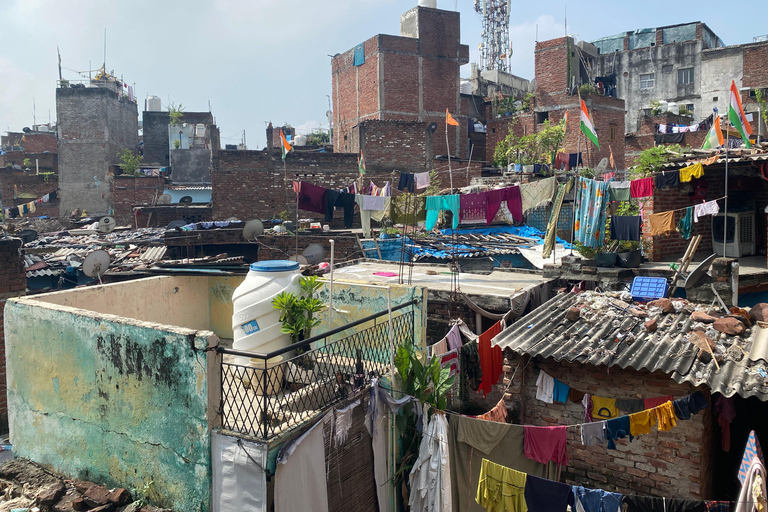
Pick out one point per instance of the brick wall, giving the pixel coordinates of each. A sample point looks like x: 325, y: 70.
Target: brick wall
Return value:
x: 155, y: 125
x: 164, y: 214
x: 129, y: 191
x: 32, y: 187
x: 13, y: 283
x: 755, y: 76
x: 402, y: 145
x: 635, y: 144
x: 40, y: 143
x: 667, y: 464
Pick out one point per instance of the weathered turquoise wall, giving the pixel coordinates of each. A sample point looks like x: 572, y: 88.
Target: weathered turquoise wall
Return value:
x: 112, y: 400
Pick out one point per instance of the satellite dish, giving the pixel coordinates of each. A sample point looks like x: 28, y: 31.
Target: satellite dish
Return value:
x: 252, y: 229
x: 186, y: 199
x: 164, y: 199
x: 602, y: 166
x: 28, y: 235
x: 232, y: 219
x: 314, y: 254
x: 532, y: 86
x: 106, y: 225
x: 176, y: 224
x: 96, y: 263
x: 299, y: 258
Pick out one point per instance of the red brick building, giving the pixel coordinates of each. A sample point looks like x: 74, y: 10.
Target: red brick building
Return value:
x: 411, y: 77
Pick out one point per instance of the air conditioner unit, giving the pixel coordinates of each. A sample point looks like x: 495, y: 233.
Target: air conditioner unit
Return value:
x: 739, y: 236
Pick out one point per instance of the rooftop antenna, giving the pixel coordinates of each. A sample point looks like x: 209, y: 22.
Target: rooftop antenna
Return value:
x: 59, y: 54
x: 105, y: 50
x: 494, y: 46
x: 565, y: 22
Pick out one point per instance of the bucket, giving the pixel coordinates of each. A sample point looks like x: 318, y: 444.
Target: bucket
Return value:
x: 275, y: 372
x: 256, y: 323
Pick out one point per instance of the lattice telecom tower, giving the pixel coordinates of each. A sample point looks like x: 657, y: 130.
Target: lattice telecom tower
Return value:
x: 494, y: 49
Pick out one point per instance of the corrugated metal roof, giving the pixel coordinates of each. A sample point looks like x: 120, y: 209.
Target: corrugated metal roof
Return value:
x: 608, y: 335
x: 154, y: 253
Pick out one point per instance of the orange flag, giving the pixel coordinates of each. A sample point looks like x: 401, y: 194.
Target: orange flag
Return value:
x: 449, y: 119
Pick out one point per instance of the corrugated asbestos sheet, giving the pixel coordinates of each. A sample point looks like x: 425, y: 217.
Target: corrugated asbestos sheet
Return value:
x: 608, y: 335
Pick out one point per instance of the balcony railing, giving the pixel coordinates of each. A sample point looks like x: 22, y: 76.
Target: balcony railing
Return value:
x: 265, y: 395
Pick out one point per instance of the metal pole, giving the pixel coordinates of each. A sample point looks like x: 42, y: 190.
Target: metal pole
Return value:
x: 725, y: 217
x: 330, y: 293
x: 448, y: 149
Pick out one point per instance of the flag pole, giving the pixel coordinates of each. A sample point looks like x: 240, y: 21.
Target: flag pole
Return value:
x: 576, y: 190
x: 725, y: 216
x: 448, y: 148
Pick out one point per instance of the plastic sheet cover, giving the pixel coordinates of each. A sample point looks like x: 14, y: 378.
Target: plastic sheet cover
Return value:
x: 239, y: 480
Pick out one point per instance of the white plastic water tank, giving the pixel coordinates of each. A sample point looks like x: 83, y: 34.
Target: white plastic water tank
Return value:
x: 674, y: 107
x: 152, y: 104
x: 255, y: 322
x: 428, y: 3
x: 300, y: 140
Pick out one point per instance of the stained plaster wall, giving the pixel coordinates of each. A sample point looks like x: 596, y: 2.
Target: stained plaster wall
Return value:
x: 110, y: 399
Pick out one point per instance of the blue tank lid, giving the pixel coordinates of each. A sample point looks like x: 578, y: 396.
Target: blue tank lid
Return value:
x: 275, y: 266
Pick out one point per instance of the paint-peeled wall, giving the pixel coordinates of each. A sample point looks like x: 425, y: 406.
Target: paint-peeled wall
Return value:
x: 112, y: 400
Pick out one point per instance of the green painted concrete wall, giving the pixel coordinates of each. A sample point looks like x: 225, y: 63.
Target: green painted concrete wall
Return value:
x: 111, y: 400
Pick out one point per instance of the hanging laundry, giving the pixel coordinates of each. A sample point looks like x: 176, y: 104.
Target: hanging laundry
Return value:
x: 726, y: 413
x: 374, y: 203
x: 753, y: 494
x: 343, y: 422
x: 331, y: 197
x: 454, y: 338
x: 430, y: 477
x: 751, y: 451
x: 500, y: 488
x: 604, y: 408
x: 560, y: 393
x: 490, y: 358
x: 408, y: 210
x: 665, y: 416
x: 494, y: 198
x: 473, y: 208
x: 625, y: 227
x: 597, y: 500
x: 608, y: 176
x: 630, y: 405
x: 498, y: 413
x: 650, y: 403
x: 545, y: 388
x: 449, y: 360
x: 421, y: 179
x: 691, y: 404
x: 407, y: 182
x: 685, y: 224
x: 436, y: 204
x: 589, y: 407
x: 365, y: 215
x: 591, y: 203
x: 662, y: 223
x: 575, y: 396
x: 641, y: 422
x: 514, y: 203
x: 311, y: 197
x: 545, y: 495
x: 386, y: 191
x: 593, y: 434
x: 692, y: 171
x: 649, y: 504
x: 378, y: 215
x: 472, y: 374
x: 561, y: 161
x: 641, y: 188
x: 537, y: 193
x: 662, y: 128
x: 668, y: 179
x: 544, y: 444
x: 302, y: 466
x: 439, y: 348
x: 703, y: 209
x: 554, y: 217
x: 574, y: 160
x: 617, y: 428
x: 618, y: 191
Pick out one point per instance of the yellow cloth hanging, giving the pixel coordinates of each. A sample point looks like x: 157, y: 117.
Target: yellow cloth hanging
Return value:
x: 604, y: 408
x: 665, y: 416
x: 692, y: 171
x: 641, y: 422
x: 501, y: 488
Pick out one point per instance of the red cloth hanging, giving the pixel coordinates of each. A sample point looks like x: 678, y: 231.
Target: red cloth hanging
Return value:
x: 490, y: 359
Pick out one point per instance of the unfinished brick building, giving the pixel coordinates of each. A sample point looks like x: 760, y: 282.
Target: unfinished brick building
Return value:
x: 411, y: 77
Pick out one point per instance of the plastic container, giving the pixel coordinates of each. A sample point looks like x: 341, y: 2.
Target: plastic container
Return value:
x: 256, y: 323
x: 275, y: 374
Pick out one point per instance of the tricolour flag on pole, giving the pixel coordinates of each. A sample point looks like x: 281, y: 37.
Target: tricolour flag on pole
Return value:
x: 449, y: 119
x: 586, y: 125
x: 736, y: 116
x: 715, y: 135
x: 361, y: 163
x: 285, y: 146
x: 565, y: 122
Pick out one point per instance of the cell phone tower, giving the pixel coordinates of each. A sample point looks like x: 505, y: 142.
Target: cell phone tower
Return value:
x: 494, y: 48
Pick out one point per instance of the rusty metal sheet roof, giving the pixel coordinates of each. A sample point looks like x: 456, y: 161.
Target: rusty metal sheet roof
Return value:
x: 607, y: 334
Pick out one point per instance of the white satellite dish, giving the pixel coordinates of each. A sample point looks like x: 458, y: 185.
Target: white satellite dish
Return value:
x: 252, y: 229
x: 602, y: 166
x: 233, y: 219
x: 314, y: 254
x: 96, y: 263
x: 164, y: 199
x: 299, y: 258
x: 106, y: 225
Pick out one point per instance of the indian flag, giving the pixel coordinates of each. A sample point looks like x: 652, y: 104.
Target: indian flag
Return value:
x: 586, y: 125
x: 565, y: 122
x: 715, y: 136
x: 736, y: 116
x: 361, y: 163
x: 284, y: 143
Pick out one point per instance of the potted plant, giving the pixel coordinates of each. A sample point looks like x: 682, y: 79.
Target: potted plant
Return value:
x: 629, y: 254
x: 604, y: 257
x: 587, y: 253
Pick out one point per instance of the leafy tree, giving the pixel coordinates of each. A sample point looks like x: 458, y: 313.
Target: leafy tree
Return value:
x: 318, y: 138
x: 175, y: 112
x: 653, y: 159
x: 529, y: 149
x: 130, y: 162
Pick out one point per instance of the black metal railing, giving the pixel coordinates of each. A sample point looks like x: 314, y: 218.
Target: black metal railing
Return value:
x: 264, y: 395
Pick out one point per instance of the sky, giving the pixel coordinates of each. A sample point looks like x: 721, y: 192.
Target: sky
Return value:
x: 257, y: 61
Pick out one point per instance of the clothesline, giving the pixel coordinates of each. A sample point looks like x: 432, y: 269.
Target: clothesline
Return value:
x: 686, y: 207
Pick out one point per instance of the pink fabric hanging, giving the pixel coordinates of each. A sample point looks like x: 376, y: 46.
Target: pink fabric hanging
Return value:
x: 473, y: 207
x: 515, y: 203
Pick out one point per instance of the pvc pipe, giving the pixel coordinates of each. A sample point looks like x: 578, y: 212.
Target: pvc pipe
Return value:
x: 330, y: 300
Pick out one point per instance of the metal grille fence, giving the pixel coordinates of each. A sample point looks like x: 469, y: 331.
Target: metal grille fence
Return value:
x: 264, y: 395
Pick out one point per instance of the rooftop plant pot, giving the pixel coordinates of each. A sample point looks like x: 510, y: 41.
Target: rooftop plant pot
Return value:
x: 631, y: 259
x: 605, y: 259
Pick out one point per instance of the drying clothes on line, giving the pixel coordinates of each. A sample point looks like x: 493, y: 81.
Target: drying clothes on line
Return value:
x: 453, y: 337
x: 617, y: 428
x: 561, y: 391
x: 753, y: 492
x: 596, y: 500
x: 649, y: 504
x: 665, y: 416
x: 408, y: 210
x: 431, y: 474
x: 449, y: 360
x: 407, y: 182
x: 591, y: 203
x: 593, y: 434
x: 561, y: 161
x: 438, y: 348
x: 473, y: 208
x: 302, y: 466
x: 378, y: 215
x: 726, y: 413
x: 343, y: 422
x: 500, y: 488
x: 574, y: 160
x: 311, y: 197
x: 691, y: 404
x: 545, y: 388
x: 365, y: 216
x: 554, y: 216
x: 514, y: 203
x: 685, y: 224
x: 641, y: 422
x: 498, y: 413
x: 589, y: 407
x: 544, y: 444
x: 703, y: 209
x: 537, y: 193
x: 667, y: 179
x: 641, y: 188
x: 650, y: 403
x: 662, y: 223
x: 436, y: 204
x: 608, y: 176
x: 472, y: 374
x: 374, y: 203
x: 604, y: 408
x: 751, y: 451
x: 546, y: 496
x: 491, y: 358
x: 692, y: 171
x: 630, y: 405
x: 421, y: 179
x: 618, y: 191
x: 625, y: 227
